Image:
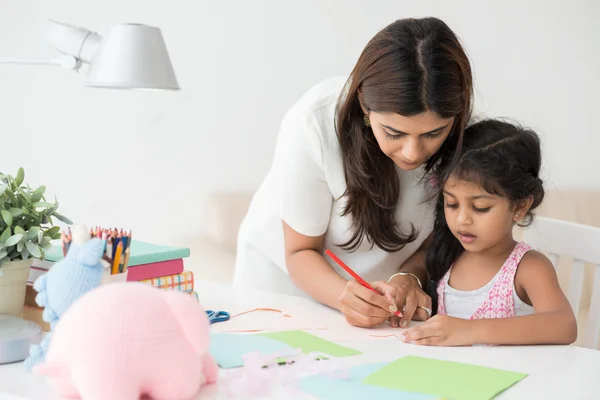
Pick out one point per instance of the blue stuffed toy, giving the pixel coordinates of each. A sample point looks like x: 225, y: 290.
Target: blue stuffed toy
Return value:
x: 69, y: 279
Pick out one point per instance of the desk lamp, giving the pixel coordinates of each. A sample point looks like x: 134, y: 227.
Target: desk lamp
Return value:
x: 130, y: 56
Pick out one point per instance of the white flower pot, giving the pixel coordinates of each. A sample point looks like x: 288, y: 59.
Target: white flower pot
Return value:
x: 13, y: 281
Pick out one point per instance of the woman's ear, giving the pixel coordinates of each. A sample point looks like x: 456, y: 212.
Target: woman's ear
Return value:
x: 522, y: 208
x: 363, y: 108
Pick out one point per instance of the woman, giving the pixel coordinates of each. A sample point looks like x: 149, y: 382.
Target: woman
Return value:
x: 348, y: 176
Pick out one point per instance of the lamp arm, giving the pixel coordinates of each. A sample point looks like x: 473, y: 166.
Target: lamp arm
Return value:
x: 65, y: 61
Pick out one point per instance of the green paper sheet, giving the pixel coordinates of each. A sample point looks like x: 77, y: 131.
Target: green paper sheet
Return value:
x: 309, y: 343
x: 447, y: 379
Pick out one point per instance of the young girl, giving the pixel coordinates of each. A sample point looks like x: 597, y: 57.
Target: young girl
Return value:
x: 491, y: 289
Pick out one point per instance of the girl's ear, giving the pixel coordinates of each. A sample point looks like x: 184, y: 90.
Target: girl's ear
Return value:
x: 521, y: 208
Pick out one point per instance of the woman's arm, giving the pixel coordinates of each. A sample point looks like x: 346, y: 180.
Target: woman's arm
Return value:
x: 552, y: 323
x: 415, y: 264
x: 410, y: 294
x: 309, y: 270
x: 311, y: 273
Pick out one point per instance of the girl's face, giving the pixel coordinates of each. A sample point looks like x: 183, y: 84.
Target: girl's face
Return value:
x: 478, y: 219
x: 410, y: 141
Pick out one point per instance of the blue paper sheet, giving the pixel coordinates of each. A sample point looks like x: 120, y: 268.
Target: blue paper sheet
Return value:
x: 227, y: 348
x: 330, y: 388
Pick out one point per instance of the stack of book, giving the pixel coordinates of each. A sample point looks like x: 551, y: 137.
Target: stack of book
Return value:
x: 159, y: 266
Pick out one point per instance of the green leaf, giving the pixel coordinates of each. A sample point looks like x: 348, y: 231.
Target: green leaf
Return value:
x: 20, y: 177
x: 33, y: 232
x: 3, y: 254
x: 62, y: 218
x: 14, y: 239
x: 26, y: 195
x: 41, y: 204
x: 5, y: 235
x: 53, y: 232
x: 47, y: 246
x: 3, y: 187
x: 38, y: 194
x: 34, y: 249
x: 15, y: 212
x: 40, y: 236
x: 25, y: 253
x: 20, y: 230
x: 45, y: 240
x: 7, y: 217
x: 20, y: 246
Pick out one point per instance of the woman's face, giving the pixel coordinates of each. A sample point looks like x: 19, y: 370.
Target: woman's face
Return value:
x: 410, y: 141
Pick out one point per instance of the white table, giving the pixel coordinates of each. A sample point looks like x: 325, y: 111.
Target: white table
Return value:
x: 555, y: 372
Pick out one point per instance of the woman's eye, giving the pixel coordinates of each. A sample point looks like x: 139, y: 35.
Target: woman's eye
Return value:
x: 393, y: 136
x: 433, y: 135
x: 448, y: 205
x: 482, y: 210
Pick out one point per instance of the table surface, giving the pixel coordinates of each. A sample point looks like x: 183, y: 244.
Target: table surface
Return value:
x: 555, y: 372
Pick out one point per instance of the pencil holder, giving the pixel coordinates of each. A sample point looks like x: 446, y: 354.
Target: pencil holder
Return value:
x: 107, y: 277
x: 115, y: 256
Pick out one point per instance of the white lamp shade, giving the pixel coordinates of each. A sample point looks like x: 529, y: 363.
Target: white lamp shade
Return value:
x: 132, y: 56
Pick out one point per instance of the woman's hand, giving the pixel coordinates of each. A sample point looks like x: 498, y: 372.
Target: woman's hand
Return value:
x: 411, y: 300
x: 441, y: 330
x: 364, y: 308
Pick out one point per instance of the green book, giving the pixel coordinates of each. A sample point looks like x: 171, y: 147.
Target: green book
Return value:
x: 141, y: 253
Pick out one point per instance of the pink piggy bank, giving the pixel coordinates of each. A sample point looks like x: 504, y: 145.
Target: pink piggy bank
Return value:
x: 122, y: 341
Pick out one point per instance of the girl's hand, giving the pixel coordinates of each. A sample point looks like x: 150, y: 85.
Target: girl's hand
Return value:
x: 441, y: 330
x: 366, y: 309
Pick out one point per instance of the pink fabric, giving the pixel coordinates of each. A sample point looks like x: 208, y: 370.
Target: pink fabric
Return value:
x: 124, y: 340
x: 155, y: 270
x: 500, y: 301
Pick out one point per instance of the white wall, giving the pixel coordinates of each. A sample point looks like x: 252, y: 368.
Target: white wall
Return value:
x: 146, y: 160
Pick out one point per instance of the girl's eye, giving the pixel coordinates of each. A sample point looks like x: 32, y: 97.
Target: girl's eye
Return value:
x: 448, y: 205
x: 481, y: 210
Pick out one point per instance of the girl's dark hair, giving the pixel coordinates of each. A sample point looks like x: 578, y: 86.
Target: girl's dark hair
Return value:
x: 501, y: 157
x: 410, y: 67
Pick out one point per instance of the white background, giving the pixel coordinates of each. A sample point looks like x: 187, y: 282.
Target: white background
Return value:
x: 147, y: 160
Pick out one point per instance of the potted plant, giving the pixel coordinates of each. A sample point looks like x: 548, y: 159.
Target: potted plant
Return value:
x: 26, y: 232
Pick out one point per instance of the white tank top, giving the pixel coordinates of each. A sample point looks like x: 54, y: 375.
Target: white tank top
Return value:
x: 464, y: 304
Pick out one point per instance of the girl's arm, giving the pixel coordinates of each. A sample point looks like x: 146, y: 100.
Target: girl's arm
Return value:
x: 553, y: 321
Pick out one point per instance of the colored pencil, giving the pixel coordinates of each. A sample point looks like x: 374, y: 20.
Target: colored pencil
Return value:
x: 117, y: 259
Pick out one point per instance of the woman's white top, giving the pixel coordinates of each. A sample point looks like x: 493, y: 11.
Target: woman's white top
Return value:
x: 304, y: 188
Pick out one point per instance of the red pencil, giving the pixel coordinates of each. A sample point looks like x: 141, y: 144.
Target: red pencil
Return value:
x: 355, y: 275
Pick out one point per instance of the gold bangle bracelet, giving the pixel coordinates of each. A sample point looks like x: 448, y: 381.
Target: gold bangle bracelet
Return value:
x: 404, y: 274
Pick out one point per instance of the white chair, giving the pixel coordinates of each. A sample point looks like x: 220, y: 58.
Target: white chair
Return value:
x: 556, y: 239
